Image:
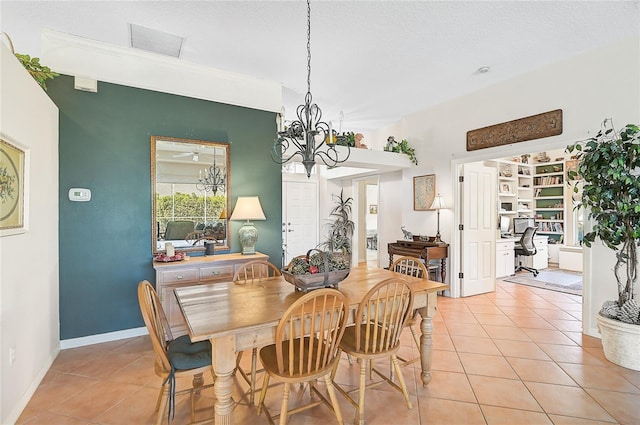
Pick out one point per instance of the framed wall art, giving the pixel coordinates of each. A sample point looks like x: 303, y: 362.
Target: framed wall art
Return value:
x: 13, y: 187
x: 424, y: 192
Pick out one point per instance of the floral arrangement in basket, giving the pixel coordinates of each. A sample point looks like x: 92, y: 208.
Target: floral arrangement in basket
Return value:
x: 318, y: 270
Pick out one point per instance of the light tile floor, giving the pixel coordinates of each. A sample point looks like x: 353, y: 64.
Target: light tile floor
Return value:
x: 515, y: 356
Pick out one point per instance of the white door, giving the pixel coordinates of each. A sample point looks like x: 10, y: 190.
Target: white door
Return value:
x: 299, y: 218
x: 479, y: 229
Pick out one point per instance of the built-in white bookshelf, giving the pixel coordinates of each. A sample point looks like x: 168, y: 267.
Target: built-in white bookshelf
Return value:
x: 548, y: 195
x: 515, y: 188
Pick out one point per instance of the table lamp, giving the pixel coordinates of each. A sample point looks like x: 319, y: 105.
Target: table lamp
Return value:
x: 248, y: 208
x: 438, y: 204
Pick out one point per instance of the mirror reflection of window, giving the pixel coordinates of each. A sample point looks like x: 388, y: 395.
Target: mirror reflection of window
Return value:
x: 191, y: 196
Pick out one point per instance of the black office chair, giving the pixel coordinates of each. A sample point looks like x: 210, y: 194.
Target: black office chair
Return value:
x: 526, y: 248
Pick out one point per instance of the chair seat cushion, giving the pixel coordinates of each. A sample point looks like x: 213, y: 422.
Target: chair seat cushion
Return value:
x: 348, y: 343
x: 184, y: 355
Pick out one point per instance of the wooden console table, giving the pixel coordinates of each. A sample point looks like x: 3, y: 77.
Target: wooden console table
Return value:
x: 421, y: 249
x: 194, y: 271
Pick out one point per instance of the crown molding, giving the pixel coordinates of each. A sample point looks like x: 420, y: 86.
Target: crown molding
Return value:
x: 82, y: 57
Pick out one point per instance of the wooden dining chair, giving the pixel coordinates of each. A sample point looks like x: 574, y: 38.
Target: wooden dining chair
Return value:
x: 306, y: 348
x: 175, y: 358
x: 379, y: 321
x: 410, y: 266
x: 252, y: 273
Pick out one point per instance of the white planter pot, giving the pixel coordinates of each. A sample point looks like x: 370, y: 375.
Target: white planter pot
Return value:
x: 620, y: 341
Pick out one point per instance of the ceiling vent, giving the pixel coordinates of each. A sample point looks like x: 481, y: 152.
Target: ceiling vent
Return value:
x: 155, y: 41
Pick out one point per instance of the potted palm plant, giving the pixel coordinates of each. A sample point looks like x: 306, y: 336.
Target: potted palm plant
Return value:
x: 341, y: 226
x: 609, y: 165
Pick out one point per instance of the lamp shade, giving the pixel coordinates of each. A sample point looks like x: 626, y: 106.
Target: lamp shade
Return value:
x: 438, y: 203
x: 248, y: 208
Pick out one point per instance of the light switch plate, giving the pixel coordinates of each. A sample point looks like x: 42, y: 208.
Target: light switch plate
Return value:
x: 78, y: 194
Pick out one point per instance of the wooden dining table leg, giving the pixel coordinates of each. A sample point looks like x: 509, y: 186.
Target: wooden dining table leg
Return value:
x: 426, y: 337
x: 224, y: 362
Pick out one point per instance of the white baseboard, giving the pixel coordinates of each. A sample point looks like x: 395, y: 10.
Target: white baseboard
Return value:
x: 26, y: 397
x: 65, y: 344
x: 99, y: 338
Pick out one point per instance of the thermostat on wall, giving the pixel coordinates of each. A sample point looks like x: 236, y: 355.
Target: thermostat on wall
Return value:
x: 78, y: 194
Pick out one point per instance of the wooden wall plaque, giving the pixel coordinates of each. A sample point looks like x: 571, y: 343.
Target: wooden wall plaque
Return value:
x: 534, y: 127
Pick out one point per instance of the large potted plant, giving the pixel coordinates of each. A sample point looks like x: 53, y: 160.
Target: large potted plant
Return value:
x: 340, y: 227
x: 609, y: 165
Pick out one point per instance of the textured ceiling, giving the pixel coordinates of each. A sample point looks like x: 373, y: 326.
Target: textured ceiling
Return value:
x: 374, y: 60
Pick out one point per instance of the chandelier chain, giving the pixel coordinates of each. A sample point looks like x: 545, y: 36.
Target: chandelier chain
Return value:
x: 307, y: 138
x: 308, y: 46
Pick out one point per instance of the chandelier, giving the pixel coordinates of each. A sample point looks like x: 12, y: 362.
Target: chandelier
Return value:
x: 309, y: 136
x: 214, y: 180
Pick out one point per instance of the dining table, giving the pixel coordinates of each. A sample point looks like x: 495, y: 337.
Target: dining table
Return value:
x: 240, y: 317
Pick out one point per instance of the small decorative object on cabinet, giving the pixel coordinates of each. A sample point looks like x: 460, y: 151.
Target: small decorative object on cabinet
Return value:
x: 607, y: 163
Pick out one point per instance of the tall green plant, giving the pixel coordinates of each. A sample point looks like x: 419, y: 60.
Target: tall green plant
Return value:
x: 609, y: 164
x: 341, y: 227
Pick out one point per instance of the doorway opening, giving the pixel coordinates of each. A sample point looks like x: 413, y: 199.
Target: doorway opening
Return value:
x: 367, y: 221
x: 531, y: 186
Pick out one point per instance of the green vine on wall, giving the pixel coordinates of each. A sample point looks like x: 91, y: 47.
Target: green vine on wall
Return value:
x: 402, y: 147
x: 40, y: 73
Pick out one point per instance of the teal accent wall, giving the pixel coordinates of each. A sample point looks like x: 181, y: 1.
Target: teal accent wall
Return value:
x: 105, y: 244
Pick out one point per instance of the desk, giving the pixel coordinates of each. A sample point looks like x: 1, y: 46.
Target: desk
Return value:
x: 538, y: 261
x: 239, y: 317
x: 421, y: 249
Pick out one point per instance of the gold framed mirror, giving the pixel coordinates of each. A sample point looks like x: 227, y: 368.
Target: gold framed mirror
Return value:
x: 190, y: 194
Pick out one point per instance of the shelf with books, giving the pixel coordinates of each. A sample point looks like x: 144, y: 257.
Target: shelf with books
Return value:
x: 515, y: 188
x: 549, y: 198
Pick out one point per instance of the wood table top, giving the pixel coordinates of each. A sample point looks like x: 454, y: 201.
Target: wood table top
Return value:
x: 220, y: 309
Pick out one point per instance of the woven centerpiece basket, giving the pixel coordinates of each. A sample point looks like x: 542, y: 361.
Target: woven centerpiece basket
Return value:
x: 323, y: 279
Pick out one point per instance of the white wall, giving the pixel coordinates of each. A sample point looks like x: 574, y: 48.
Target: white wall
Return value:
x: 600, y: 84
x: 372, y: 199
x: 390, y: 205
x: 29, y: 261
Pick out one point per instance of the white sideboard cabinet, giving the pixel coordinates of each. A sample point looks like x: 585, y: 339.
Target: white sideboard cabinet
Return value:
x: 194, y: 271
